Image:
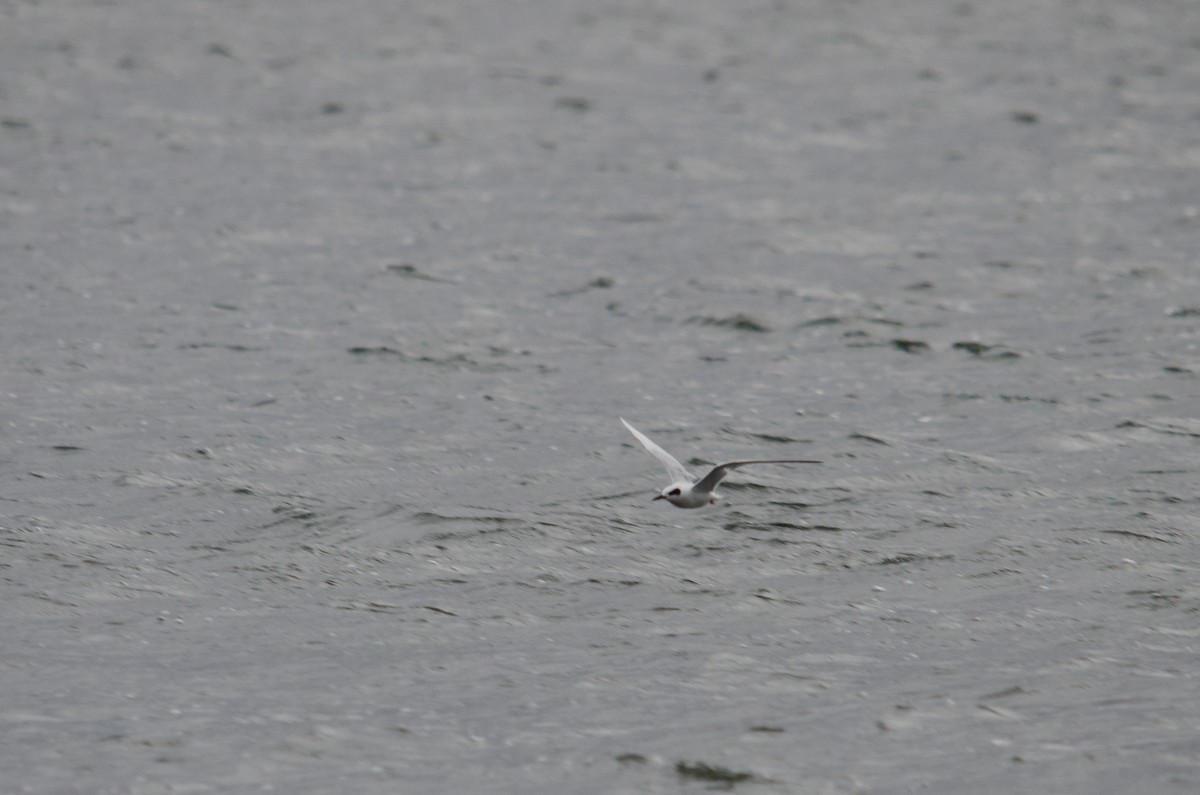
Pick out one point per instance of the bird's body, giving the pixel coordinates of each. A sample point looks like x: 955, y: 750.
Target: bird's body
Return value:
x: 687, y: 492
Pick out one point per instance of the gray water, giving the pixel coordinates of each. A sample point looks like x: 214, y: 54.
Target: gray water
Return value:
x: 317, y: 320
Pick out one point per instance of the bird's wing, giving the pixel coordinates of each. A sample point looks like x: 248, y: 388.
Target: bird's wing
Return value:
x: 675, y: 470
x: 710, y: 481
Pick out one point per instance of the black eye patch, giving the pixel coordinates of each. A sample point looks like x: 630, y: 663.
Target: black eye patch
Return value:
x: 674, y: 493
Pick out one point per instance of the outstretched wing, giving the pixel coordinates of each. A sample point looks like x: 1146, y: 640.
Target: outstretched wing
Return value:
x: 710, y: 481
x: 675, y: 470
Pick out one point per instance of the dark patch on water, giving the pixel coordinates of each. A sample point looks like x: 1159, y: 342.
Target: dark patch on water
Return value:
x: 716, y: 774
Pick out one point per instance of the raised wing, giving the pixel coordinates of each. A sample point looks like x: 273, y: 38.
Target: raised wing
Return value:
x: 718, y: 473
x: 675, y: 470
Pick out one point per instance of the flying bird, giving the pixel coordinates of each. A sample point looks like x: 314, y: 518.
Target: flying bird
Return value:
x: 684, y: 490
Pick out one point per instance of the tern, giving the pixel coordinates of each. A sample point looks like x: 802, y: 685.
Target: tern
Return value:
x: 684, y: 490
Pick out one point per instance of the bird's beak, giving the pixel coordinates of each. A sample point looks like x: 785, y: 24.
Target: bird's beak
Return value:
x: 659, y: 497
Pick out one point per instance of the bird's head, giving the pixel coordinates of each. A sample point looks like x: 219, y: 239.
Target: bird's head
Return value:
x: 670, y: 493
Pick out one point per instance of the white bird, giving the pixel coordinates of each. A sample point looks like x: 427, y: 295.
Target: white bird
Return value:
x: 687, y: 492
